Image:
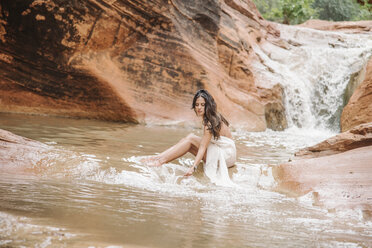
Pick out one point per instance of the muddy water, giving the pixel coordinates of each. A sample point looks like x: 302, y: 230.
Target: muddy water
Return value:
x: 91, y: 190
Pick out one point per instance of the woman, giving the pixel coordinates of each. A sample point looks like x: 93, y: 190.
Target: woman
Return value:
x: 216, y: 148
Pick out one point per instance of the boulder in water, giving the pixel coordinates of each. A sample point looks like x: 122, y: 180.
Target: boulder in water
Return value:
x: 359, y: 108
x: 336, y: 172
x: 356, y: 137
x: 18, y: 153
x: 341, y: 180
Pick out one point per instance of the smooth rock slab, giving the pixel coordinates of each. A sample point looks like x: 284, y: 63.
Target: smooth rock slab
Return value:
x: 20, y: 154
x: 342, y: 180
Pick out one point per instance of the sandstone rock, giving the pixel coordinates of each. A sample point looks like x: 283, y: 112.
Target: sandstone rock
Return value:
x: 356, y: 137
x: 20, y: 154
x: 355, y: 80
x: 337, y: 172
x: 351, y: 27
x: 275, y: 115
x: 140, y: 61
x: 136, y: 62
x: 341, y: 180
x: 359, y: 108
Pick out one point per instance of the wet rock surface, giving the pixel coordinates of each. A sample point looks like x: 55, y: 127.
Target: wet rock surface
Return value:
x: 356, y: 137
x: 275, y: 115
x: 341, y: 180
x: 359, y: 107
x: 18, y: 153
x: 336, y: 172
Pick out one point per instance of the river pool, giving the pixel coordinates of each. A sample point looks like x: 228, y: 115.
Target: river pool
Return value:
x: 90, y: 190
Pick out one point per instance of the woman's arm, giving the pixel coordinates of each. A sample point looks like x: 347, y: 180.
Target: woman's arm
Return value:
x: 207, y: 136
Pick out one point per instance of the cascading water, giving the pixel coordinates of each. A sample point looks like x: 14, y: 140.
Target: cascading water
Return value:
x: 314, y: 72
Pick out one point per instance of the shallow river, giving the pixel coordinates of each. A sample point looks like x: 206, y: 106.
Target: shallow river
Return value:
x: 90, y: 190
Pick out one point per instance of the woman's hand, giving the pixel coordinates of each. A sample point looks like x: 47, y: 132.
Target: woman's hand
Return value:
x: 190, y: 171
x: 207, y: 136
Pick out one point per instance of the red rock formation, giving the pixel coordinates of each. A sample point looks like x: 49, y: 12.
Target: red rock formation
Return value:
x: 341, y: 180
x: 337, y: 171
x: 132, y: 61
x: 350, y: 27
x: 18, y: 153
x: 359, y: 108
x: 356, y: 137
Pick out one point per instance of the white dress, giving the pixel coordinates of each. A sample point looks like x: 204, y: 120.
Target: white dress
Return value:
x: 221, y: 154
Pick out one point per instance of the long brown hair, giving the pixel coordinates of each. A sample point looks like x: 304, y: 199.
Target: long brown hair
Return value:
x: 212, y: 119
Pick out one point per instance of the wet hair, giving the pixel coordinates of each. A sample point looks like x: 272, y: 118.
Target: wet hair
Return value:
x: 212, y: 119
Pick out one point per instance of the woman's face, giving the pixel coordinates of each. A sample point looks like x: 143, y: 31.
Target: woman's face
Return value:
x: 200, y: 106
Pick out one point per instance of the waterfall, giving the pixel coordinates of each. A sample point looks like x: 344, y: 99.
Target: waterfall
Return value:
x: 314, y: 68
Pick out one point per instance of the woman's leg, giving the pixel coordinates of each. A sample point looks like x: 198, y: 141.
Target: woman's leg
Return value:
x: 190, y: 144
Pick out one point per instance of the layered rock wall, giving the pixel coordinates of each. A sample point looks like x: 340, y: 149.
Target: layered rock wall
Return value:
x: 137, y: 61
x: 131, y: 60
x: 38, y: 39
